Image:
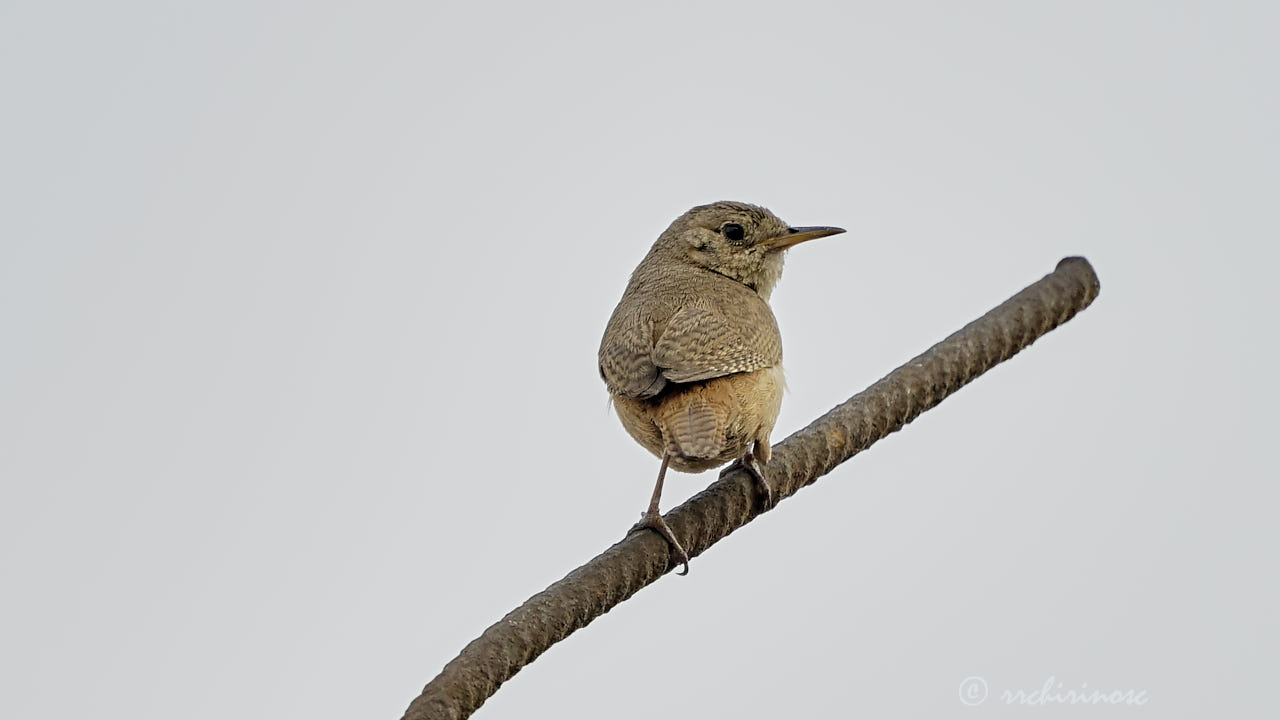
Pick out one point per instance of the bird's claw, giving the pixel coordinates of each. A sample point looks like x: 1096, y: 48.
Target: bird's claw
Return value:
x: 654, y: 521
x: 748, y: 463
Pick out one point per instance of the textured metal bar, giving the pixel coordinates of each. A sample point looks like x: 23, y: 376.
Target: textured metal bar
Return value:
x: 728, y: 504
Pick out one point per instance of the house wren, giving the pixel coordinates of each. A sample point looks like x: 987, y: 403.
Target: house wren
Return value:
x: 692, y: 356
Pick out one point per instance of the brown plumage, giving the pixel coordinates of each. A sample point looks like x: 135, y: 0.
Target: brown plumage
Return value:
x: 692, y: 355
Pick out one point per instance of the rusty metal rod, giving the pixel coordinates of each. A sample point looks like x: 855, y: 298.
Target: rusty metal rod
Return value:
x: 728, y: 504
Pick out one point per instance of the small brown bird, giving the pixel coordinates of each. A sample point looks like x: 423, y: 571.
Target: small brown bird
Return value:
x: 692, y: 355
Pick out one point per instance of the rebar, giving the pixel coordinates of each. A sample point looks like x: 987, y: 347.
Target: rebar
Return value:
x: 847, y: 429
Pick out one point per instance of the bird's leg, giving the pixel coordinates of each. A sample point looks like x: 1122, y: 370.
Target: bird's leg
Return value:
x: 749, y: 463
x: 652, y: 519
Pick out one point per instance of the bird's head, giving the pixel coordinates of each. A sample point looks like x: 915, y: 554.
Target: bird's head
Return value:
x: 740, y: 241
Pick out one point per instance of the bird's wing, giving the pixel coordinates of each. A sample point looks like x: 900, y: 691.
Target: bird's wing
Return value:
x: 700, y: 343
x: 626, y: 362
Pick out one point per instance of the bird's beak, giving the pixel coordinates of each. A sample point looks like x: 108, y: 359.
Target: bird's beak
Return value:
x: 798, y: 235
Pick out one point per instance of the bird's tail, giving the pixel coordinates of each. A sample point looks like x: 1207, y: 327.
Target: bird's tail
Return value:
x: 693, y: 426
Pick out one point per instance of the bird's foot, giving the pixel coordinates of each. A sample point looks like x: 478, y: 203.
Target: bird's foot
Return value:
x: 749, y: 463
x: 653, y: 520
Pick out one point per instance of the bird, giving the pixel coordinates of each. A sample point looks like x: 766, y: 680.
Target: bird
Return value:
x: 692, y: 356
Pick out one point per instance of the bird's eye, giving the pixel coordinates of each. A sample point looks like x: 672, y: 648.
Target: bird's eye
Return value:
x: 732, y: 231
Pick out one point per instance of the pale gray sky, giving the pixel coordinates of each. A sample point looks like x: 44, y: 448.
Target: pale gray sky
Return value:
x: 300, y: 304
